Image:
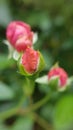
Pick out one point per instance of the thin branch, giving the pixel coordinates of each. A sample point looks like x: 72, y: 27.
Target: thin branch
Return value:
x: 43, y: 123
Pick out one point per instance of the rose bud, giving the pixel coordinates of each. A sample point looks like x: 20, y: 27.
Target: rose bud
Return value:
x: 19, y: 35
x: 31, y: 62
x: 58, y: 74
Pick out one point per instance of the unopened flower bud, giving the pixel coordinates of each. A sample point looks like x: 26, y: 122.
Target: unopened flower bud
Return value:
x: 31, y: 62
x: 60, y: 73
x: 19, y: 35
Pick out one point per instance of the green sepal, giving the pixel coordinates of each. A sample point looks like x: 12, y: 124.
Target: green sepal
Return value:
x: 42, y: 80
x: 21, y: 68
x: 41, y: 63
x: 54, y: 83
x: 56, y: 65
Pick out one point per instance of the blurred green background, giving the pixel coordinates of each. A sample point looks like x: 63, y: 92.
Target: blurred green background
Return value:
x: 53, y: 21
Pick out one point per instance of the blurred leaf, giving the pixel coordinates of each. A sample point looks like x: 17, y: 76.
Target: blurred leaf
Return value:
x: 47, y: 111
x: 46, y: 4
x: 48, y: 59
x: 5, y: 16
x: 40, y: 19
x: 63, y: 116
x: 6, y: 92
x: 59, y: 21
x: 24, y: 123
x: 44, y: 22
x: 3, y: 127
x: 27, y: 1
x: 5, y: 62
x: 68, y: 44
x: 9, y: 109
x: 43, y: 88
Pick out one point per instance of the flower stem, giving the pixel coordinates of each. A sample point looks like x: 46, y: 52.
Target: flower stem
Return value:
x: 17, y: 110
x: 40, y: 103
x: 35, y: 106
x: 43, y: 123
x: 12, y: 111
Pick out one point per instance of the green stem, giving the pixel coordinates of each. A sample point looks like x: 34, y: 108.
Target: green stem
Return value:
x: 18, y: 110
x: 28, y: 87
x: 12, y: 111
x: 36, y: 106
x: 40, y: 103
x: 43, y: 123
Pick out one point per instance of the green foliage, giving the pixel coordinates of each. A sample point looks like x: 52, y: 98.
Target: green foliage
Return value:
x: 5, y: 62
x: 23, y: 123
x: 6, y: 93
x: 63, y: 116
x: 3, y: 127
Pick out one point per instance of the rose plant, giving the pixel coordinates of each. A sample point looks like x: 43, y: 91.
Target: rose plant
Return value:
x: 30, y: 63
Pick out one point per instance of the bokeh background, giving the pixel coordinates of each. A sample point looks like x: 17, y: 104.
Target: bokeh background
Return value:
x: 53, y: 21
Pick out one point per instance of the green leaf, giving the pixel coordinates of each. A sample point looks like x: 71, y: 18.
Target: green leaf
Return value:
x: 24, y: 123
x: 5, y: 15
x: 47, y: 111
x: 43, y: 88
x: 63, y: 116
x: 48, y: 59
x: 3, y: 127
x: 5, y: 62
x: 6, y: 92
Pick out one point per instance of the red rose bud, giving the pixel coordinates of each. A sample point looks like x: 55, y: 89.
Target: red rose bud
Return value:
x: 19, y: 35
x: 60, y: 73
x: 31, y: 62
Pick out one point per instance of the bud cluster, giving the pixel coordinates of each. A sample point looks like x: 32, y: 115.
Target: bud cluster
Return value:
x: 20, y: 36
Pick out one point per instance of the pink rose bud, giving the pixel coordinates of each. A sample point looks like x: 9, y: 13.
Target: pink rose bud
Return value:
x: 19, y: 35
x: 61, y: 73
x: 30, y: 60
